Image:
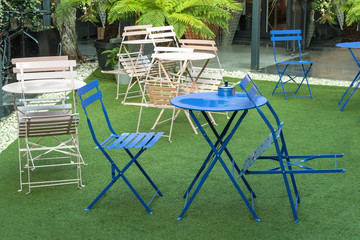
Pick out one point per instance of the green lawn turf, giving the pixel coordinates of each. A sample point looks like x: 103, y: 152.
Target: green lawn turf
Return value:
x: 329, y: 202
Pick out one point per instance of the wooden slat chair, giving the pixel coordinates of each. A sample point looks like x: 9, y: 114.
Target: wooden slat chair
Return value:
x: 159, y: 93
x: 210, y: 78
x: 48, y: 130
x: 202, y: 46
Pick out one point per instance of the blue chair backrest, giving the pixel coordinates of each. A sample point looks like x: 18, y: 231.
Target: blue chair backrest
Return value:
x: 249, y: 90
x: 91, y: 98
x: 286, y: 35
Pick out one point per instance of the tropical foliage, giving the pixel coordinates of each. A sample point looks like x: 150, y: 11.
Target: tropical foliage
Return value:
x: 352, y: 11
x: 21, y: 5
x: 90, y: 9
x: 331, y: 9
x: 327, y: 10
x: 93, y: 11
x: 179, y: 13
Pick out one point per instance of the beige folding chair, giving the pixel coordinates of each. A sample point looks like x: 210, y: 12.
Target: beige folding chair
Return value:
x: 201, y: 45
x: 167, y: 67
x: 159, y: 93
x: 163, y: 36
x: 134, y: 64
x: 211, y: 78
x: 47, y: 127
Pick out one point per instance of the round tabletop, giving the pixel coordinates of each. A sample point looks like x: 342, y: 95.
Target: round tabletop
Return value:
x: 43, y: 86
x: 349, y: 45
x: 147, y: 41
x: 181, y: 56
x: 212, y: 102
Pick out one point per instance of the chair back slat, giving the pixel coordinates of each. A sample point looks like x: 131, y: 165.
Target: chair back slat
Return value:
x: 88, y: 87
x: 251, y: 93
x: 286, y: 35
x: 165, y: 32
x: 285, y: 32
x: 46, y: 75
x: 49, y: 70
x: 91, y: 99
x: 14, y: 61
x: 46, y: 64
x: 286, y: 38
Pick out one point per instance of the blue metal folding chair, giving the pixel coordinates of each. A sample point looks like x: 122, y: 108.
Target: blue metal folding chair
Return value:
x: 290, y: 35
x: 282, y: 158
x: 126, y: 141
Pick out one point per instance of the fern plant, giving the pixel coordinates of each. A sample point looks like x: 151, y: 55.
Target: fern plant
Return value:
x: 351, y: 9
x: 181, y: 14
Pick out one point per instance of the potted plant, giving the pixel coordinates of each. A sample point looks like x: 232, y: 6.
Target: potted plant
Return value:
x: 113, y: 63
x: 182, y: 14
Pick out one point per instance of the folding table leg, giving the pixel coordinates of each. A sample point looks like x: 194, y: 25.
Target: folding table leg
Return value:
x: 347, y: 90
x: 211, y: 155
x: 217, y: 155
x: 220, y: 141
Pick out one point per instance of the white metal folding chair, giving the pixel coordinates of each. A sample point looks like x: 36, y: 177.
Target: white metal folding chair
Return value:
x: 48, y: 127
x: 163, y: 36
x: 132, y: 63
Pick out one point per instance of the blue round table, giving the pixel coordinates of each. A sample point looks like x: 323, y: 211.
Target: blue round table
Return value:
x: 212, y: 102
x: 355, y: 83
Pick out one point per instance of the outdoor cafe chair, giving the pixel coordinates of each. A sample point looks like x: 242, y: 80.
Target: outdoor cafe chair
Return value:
x: 208, y: 79
x: 159, y: 92
x: 163, y: 36
x: 135, y: 64
x: 293, y: 69
x: 47, y: 127
x: 284, y: 164
x: 90, y: 94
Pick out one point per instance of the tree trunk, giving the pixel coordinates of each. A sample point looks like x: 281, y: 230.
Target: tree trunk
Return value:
x: 111, y: 30
x: 68, y: 35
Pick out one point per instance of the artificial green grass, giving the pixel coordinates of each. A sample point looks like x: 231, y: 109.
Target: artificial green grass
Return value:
x: 328, y: 207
